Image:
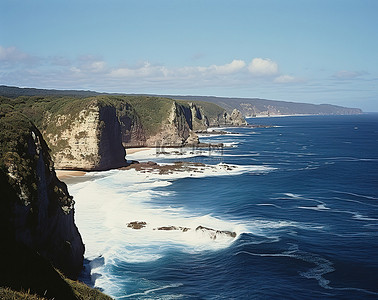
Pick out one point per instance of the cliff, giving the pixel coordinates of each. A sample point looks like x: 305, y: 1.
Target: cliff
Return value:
x: 250, y: 107
x: 92, y: 133
x: 87, y: 137
x: 36, y: 218
x: 37, y: 209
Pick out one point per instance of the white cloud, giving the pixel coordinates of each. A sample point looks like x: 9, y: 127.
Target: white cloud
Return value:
x: 149, y: 70
x: 145, y: 70
x: 230, y: 68
x: 94, y: 72
x: 97, y: 66
x: 263, y: 67
x: 286, y: 79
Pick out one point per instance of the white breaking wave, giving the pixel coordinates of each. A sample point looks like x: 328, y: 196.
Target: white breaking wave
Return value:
x: 174, y: 285
x: 162, y: 154
x: 109, y: 200
x: 320, y: 207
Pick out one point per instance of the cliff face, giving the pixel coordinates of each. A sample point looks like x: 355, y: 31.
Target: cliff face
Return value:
x: 250, y: 107
x: 226, y: 119
x: 92, y: 133
x: 199, y: 120
x: 174, y: 130
x: 132, y: 131
x: 89, y: 140
x: 37, y: 210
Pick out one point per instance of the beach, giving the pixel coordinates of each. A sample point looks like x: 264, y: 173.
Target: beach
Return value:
x: 135, y: 150
x: 65, y: 174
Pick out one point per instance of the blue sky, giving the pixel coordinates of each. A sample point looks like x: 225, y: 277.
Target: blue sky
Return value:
x: 316, y: 51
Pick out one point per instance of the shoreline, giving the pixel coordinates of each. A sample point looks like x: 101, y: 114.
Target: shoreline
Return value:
x: 66, y: 174
x: 135, y: 150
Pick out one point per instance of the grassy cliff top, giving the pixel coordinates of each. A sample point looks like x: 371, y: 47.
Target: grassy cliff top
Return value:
x: 151, y: 111
x: 211, y: 110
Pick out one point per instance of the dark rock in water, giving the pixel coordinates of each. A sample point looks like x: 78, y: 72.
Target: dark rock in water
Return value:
x: 214, y: 233
x: 136, y: 224
x: 183, y: 229
x: 168, y: 228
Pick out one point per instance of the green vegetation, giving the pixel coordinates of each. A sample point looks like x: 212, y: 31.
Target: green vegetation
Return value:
x: 15, y: 132
x: 43, y: 111
x: 152, y: 111
x: 54, y: 113
x: 211, y: 110
x: 144, y: 115
x: 84, y: 292
x: 24, y: 274
x: 7, y: 293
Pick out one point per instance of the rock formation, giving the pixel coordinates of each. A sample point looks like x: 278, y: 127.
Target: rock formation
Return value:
x: 226, y: 119
x: 37, y: 210
x: 211, y: 233
x: 92, y: 133
x: 89, y: 140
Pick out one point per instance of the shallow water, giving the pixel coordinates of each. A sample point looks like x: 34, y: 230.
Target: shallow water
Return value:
x: 302, y: 199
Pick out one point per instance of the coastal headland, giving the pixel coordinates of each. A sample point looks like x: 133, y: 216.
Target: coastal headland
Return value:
x: 52, y: 137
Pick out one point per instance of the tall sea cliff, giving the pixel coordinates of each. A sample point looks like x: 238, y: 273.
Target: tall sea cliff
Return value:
x: 37, y: 215
x: 91, y: 133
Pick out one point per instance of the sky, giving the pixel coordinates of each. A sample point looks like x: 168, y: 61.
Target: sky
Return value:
x: 313, y: 51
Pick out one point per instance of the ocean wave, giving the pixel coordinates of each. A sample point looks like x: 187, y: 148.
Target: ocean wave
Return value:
x: 360, y: 217
x: 106, y: 204
x: 320, y: 207
x: 270, y: 204
x: 291, y: 195
x: 156, y: 154
x: 322, y: 265
x: 269, y: 228
x: 348, y: 159
x: 355, y: 195
x: 150, y: 291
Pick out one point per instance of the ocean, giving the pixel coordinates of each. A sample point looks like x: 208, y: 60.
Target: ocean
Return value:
x: 286, y: 211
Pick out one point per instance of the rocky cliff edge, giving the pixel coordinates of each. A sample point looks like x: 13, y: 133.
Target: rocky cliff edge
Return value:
x: 37, y: 210
x: 92, y: 133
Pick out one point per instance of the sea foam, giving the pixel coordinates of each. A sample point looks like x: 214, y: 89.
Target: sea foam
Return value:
x: 108, y: 201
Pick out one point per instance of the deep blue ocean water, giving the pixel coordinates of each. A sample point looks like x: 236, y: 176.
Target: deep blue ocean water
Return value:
x: 306, y: 219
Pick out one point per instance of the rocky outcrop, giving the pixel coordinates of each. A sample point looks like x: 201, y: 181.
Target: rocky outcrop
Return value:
x: 211, y: 233
x: 89, y: 140
x: 199, y: 118
x: 235, y: 118
x: 132, y: 130
x: 37, y: 210
x: 92, y: 133
x: 175, y: 129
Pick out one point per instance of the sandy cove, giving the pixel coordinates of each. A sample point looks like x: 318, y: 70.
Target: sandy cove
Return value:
x: 64, y: 174
x: 135, y: 150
